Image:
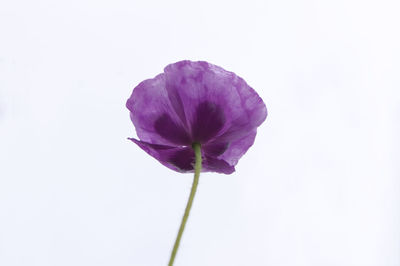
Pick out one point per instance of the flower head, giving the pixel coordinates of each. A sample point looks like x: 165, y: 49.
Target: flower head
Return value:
x: 196, y: 102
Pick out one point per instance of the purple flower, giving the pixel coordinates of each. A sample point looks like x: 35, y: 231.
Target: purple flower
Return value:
x: 196, y: 102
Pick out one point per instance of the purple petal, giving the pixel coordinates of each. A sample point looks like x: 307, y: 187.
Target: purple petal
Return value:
x: 179, y: 159
x: 212, y: 101
x: 238, y: 148
x: 182, y: 159
x: 229, y: 153
x: 216, y: 165
x: 215, y: 149
x: 169, y: 130
x: 153, y: 116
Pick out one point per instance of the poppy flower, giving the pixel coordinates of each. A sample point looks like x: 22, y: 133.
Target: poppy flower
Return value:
x: 196, y: 102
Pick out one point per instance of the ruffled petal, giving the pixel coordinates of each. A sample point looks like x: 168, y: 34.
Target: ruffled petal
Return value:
x: 153, y: 116
x: 215, y: 149
x: 211, y: 164
x: 212, y: 102
x: 180, y: 159
x: 238, y: 148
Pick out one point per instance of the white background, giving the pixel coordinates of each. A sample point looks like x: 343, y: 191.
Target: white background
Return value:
x: 320, y: 187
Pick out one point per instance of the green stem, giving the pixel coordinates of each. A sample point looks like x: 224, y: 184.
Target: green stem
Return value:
x: 197, y: 169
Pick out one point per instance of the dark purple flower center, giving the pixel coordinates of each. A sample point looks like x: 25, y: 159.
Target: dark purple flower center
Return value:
x: 208, y: 121
x: 170, y: 131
